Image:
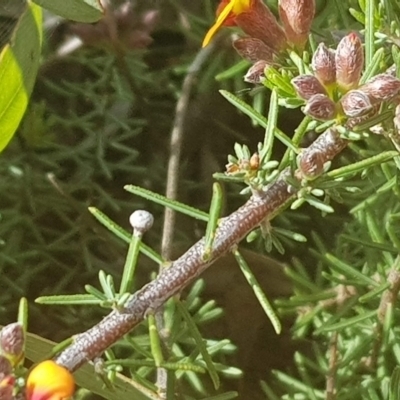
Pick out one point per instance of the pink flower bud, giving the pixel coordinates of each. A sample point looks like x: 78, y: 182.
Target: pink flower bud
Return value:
x: 381, y: 87
x: 356, y: 103
x: 349, y: 59
x: 307, y: 86
x: 256, y: 73
x: 323, y: 65
x: 320, y: 107
x: 259, y: 22
x: 297, y: 16
x: 311, y: 164
x: 253, y: 49
x: 12, y: 340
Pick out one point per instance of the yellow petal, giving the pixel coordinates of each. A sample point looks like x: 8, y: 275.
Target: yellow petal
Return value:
x: 49, y: 381
x: 218, y: 23
x: 240, y: 6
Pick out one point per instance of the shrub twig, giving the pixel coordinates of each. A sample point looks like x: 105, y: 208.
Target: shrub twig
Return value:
x: 232, y: 229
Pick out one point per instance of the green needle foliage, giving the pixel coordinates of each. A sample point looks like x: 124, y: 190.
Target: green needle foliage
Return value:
x: 94, y: 145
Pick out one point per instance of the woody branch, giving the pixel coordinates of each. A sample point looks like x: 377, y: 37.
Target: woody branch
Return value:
x: 232, y: 229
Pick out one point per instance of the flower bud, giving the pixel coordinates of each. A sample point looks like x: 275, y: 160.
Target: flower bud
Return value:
x: 381, y: 87
x: 297, y: 16
x: 323, y: 65
x: 311, y: 163
x: 12, y: 339
x: 259, y: 22
x: 356, y: 103
x: 253, y: 49
x: 320, y: 107
x: 49, y: 381
x: 256, y: 73
x: 349, y: 60
x: 307, y: 86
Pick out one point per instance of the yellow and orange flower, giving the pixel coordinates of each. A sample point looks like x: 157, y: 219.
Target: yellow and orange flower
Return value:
x: 226, y: 12
x: 258, y: 22
x: 253, y: 17
x: 49, y: 381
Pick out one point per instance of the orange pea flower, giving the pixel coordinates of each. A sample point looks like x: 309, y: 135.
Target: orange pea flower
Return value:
x: 226, y: 12
x: 255, y: 19
x: 49, y: 381
x: 258, y: 22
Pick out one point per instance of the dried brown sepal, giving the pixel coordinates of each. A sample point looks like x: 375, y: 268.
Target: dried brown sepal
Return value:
x: 256, y: 73
x: 297, y: 17
x: 253, y: 49
x: 381, y: 87
x: 323, y: 65
x: 255, y: 162
x: 349, y: 60
x: 259, y: 22
x: 12, y: 339
x: 232, y: 169
x: 356, y: 103
x: 320, y: 107
x: 307, y: 86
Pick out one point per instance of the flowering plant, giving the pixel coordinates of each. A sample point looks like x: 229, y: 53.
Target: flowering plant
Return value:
x: 338, y: 161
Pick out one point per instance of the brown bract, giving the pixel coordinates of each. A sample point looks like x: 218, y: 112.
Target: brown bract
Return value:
x: 253, y: 49
x: 259, y: 22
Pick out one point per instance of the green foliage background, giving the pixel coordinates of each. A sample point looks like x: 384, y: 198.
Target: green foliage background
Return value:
x: 98, y: 121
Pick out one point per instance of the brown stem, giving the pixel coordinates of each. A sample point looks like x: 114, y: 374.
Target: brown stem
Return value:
x: 177, y: 136
x: 333, y: 365
x: 190, y: 265
x: 388, y: 299
x: 176, y: 146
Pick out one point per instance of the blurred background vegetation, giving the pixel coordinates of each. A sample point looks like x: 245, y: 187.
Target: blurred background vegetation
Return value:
x: 100, y: 117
